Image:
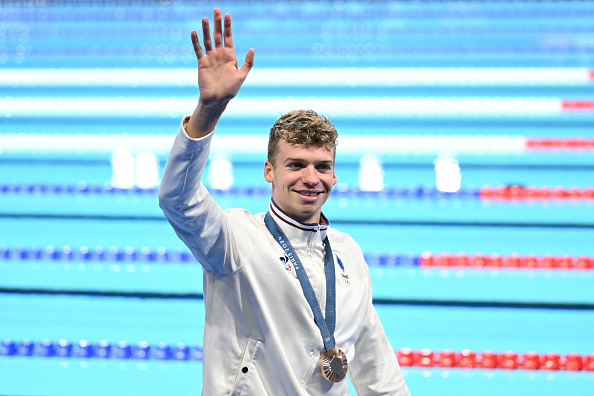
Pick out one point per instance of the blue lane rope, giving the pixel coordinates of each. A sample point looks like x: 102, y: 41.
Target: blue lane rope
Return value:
x: 100, y: 253
x: 100, y: 350
x: 421, y: 192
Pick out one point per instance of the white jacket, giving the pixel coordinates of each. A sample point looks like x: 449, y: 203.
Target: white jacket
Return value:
x: 260, y: 337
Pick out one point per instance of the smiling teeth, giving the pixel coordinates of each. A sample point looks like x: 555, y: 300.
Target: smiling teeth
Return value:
x: 308, y: 194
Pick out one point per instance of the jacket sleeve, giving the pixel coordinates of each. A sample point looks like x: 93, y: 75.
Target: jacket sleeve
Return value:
x: 196, y: 218
x: 375, y: 369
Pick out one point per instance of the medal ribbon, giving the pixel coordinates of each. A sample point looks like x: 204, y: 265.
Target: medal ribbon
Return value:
x: 326, y: 326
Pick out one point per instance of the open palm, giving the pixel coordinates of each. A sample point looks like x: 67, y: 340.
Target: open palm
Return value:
x: 219, y: 78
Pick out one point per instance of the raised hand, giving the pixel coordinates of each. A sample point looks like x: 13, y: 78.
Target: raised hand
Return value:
x: 219, y: 78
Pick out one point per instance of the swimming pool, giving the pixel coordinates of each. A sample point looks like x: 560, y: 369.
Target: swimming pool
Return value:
x: 97, y: 294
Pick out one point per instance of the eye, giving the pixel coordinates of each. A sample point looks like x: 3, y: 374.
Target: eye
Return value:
x: 324, y: 167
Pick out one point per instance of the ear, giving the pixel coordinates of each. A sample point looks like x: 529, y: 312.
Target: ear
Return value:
x: 334, y: 178
x: 268, y: 172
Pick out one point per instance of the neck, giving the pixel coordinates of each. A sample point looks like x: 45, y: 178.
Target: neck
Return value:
x: 280, y: 214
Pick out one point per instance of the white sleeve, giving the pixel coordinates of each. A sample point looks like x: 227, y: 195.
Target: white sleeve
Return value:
x: 196, y: 218
x: 375, y: 369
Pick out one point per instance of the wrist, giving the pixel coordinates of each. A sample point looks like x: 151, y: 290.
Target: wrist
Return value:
x: 205, y: 117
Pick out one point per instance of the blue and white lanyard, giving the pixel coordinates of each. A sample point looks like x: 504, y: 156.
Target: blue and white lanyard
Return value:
x: 326, y: 326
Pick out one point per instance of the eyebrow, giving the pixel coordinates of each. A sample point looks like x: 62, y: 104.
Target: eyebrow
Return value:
x: 303, y: 160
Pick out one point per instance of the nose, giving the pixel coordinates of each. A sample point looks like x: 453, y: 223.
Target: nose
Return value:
x: 310, y: 176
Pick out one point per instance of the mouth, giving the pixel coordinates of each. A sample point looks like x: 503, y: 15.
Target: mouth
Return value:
x: 309, y: 193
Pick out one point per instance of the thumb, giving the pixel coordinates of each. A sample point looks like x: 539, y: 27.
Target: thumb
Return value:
x: 249, y: 62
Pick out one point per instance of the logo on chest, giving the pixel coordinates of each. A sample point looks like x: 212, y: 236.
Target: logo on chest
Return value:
x: 286, y: 262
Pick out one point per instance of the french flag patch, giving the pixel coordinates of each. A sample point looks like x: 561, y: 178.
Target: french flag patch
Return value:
x: 344, y: 275
x: 340, y: 263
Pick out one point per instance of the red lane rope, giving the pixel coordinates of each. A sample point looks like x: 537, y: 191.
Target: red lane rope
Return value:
x: 557, y: 143
x: 578, y: 105
x: 530, y: 261
x: 516, y: 192
x: 492, y: 360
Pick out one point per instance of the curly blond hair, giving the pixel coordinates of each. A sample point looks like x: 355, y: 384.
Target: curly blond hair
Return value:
x: 305, y: 127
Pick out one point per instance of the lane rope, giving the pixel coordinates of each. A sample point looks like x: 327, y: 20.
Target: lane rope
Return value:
x: 425, y: 259
x: 508, y: 360
x: 425, y: 358
x: 531, y: 193
x: 511, y: 261
x: 101, y: 350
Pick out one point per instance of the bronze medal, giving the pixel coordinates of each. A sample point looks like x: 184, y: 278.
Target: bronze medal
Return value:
x: 334, y: 365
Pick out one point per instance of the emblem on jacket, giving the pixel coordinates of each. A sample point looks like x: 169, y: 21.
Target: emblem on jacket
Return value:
x: 344, y: 275
x: 286, y: 262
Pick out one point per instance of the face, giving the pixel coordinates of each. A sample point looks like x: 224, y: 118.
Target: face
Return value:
x: 301, y: 180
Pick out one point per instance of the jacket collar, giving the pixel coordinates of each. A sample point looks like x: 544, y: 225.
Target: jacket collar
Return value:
x: 296, y: 231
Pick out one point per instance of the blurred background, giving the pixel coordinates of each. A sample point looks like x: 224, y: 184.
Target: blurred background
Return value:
x: 464, y: 163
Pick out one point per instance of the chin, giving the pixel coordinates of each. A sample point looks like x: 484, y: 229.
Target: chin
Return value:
x: 306, y: 217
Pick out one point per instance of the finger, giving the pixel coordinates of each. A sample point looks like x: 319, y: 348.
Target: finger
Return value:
x: 228, y: 34
x: 206, y: 35
x: 248, y: 63
x: 196, y: 44
x: 218, y: 30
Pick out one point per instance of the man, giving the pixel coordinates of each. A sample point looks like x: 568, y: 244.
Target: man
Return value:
x: 268, y: 277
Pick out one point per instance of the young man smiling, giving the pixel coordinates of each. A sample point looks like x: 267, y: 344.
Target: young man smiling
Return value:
x: 300, y: 164
x: 288, y: 298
